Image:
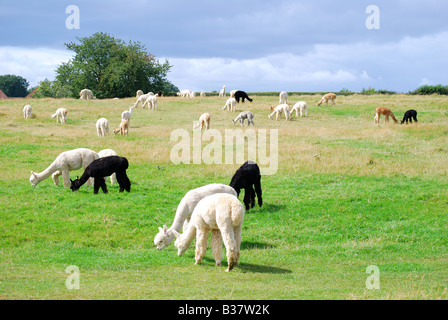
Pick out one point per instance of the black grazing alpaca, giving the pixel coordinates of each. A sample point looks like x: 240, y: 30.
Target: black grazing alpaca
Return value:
x: 241, y: 95
x: 246, y: 177
x: 409, y: 115
x: 103, y: 167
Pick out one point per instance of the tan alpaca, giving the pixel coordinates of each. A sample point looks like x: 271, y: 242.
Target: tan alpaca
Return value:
x: 383, y: 111
x: 60, y: 115
x: 329, y: 96
x: 124, y: 128
x: 204, y: 121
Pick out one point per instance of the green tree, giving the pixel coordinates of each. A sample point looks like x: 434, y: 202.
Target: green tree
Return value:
x: 110, y: 68
x: 14, y: 86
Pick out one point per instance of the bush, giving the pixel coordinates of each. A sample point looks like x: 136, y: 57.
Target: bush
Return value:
x: 431, y: 89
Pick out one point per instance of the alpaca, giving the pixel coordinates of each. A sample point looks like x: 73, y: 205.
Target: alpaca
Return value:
x: 138, y: 93
x: 409, y: 115
x: 247, y: 177
x: 85, y: 94
x: 65, y: 162
x: 383, y: 111
x: 204, y: 121
x: 202, y: 94
x: 230, y: 104
x: 102, y: 127
x: 302, y: 107
x: 241, y: 95
x: 184, y: 93
x: 222, y: 92
x: 27, y: 111
x: 142, y: 99
x: 151, y: 101
x: 106, y: 153
x: 221, y: 213
x: 159, y: 93
x: 232, y: 93
x: 281, y: 108
x: 126, y: 115
x: 185, y: 209
x: 124, y: 128
x: 60, y: 115
x: 192, y: 94
x: 329, y: 96
x: 103, y: 167
x: 245, y: 115
x: 283, y: 97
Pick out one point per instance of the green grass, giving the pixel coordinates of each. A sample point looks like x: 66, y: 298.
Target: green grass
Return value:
x: 375, y: 195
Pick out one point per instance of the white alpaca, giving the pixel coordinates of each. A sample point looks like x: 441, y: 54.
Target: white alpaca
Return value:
x: 302, y: 107
x: 27, y: 111
x: 124, y: 128
x: 204, y: 121
x: 60, y: 115
x: 142, y: 98
x: 245, y: 115
x: 102, y: 127
x: 185, y: 209
x: 329, y: 96
x: 281, y: 108
x: 85, y: 94
x: 202, y: 94
x: 222, y: 92
x: 138, y: 93
x: 232, y: 93
x: 192, y: 94
x: 230, y: 104
x: 126, y: 115
x: 223, y: 214
x: 184, y: 93
x: 151, y: 101
x: 283, y: 97
x: 63, y: 164
x: 107, y: 153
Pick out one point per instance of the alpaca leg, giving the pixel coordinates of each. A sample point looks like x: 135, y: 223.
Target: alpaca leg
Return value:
x: 237, y: 232
x: 217, y: 246
x: 121, y: 181
x: 231, y: 251
x: 258, y: 191
x: 55, y: 177
x: 66, y: 178
x: 113, y: 178
x: 96, y: 186
x: 201, y: 244
x: 101, y: 183
x: 252, y: 196
x: 246, y: 199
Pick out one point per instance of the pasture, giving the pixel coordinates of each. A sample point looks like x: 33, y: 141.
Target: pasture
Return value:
x: 348, y: 194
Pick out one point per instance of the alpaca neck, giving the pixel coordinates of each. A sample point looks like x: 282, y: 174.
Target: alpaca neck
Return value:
x: 47, y: 172
x: 188, y: 235
x: 181, y: 215
x: 85, y: 176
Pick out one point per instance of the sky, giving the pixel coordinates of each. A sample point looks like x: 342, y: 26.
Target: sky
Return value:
x: 250, y: 45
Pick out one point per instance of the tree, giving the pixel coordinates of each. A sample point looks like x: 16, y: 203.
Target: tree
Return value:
x: 14, y: 86
x: 111, y: 68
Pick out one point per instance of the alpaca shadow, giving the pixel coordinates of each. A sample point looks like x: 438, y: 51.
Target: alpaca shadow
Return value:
x: 254, y: 268
x: 247, y: 245
x: 269, y: 207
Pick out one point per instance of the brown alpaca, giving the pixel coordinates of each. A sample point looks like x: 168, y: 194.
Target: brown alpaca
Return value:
x: 386, y: 112
x: 204, y: 122
x: 329, y: 96
x: 123, y: 129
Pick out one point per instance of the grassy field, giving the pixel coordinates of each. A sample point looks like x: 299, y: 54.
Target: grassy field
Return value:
x: 348, y: 194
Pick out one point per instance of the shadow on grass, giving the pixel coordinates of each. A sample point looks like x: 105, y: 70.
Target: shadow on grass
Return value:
x: 269, y: 207
x: 254, y: 268
x: 247, y: 245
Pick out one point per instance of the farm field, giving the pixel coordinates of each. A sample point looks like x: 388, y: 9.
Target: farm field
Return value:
x: 348, y: 194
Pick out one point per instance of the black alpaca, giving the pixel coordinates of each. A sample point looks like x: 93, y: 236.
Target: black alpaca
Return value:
x: 409, y: 115
x: 241, y: 95
x: 246, y: 177
x: 103, y: 167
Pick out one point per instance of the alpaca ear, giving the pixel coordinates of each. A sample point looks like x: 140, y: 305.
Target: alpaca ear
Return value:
x: 165, y: 228
x: 176, y: 234
x: 33, y: 173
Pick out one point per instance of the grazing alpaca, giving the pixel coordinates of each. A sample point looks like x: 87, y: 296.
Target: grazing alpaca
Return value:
x: 192, y: 94
x: 184, y: 93
x: 230, y: 104
x: 202, y: 94
x: 281, y: 108
x: 232, y: 93
x: 101, y: 168
x: 185, y: 209
x: 27, y: 111
x: 204, y: 121
x: 124, y: 128
x: 106, y: 153
x: 302, y: 107
x: 65, y: 162
x: 247, y: 177
x: 222, y: 92
x: 102, y: 127
x: 151, y: 101
x: 60, y: 115
x: 383, y: 111
x: 223, y: 214
x: 85, y: 94
x: 283, y: 97
x: 409, y: 115
x: 241, y: 95
x: 142, y: 98
x: 139, y: 93
x: 329, y: 96
x: 245, y: 115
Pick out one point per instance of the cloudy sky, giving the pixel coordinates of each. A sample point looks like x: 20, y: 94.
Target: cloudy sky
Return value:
x: 251, y: 45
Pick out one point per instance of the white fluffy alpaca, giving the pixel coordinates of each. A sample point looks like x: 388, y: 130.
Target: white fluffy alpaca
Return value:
x: 230, y: 104
x: 221, y: 213
x: 329, y: 96
x: 222, y: 92
x: 302, y: 107
x: 232, y: 93
x: 202, y: 94
x: 107, y: 153
x: 102, y: 127
x: 138, y: 93
x: 192, y: 94
x: 185, y: 209
x: 204, y: 121
x: 126, y: 115
x: 27, y: 111
x: 151, y: 101
x: 142, y: 99
x: 60, y: 115
x: 283, y: 97
x: 85, y: 94
x: 281, y: 108
x: 124, y: 128
x: 245, y: 115
x: 63, y: 164
x: 184, y: 93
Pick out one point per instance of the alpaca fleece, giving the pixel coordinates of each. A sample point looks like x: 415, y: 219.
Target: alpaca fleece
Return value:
x: 247, y: 177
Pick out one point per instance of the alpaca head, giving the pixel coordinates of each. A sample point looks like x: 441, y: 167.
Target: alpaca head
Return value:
x: 33, y: 179
x: 179, y: 243
x: 163, y: 238
x: 74, y: 184
x: 319, y: 103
